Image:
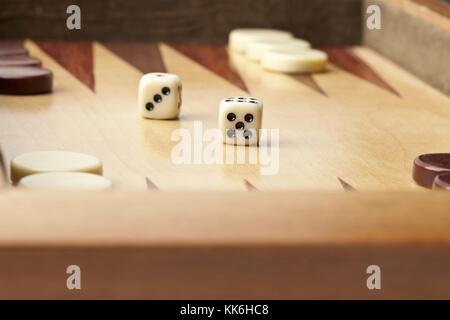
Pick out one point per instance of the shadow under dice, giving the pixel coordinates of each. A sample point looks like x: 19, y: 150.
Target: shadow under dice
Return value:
x: 240, y: 120
x: 160, y: 96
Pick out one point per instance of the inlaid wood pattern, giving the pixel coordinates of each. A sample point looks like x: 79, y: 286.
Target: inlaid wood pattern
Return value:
x: 309, y: 81
x: 75, y: 57
x: 280, y: 244
x: 359, y: 135
x: 345, y: 185
x: 150, y: 184
x: 214, y: 58
x: 249, y: 186
x: 3, y: 175
x: 347, y: 60
x: 146, y: 57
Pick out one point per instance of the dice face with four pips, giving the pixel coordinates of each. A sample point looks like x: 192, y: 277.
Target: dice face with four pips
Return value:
x: 160, y: 96
x: 240, y: 120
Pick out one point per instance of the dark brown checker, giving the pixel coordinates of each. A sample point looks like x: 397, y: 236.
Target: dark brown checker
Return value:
x: 428, y: 166
x: 145, y: 57
x: 214, y: 58
x: 12, y: 48
x: 25, y: 80
x: 347, y: 60
x: 19, y: 61
x: 75, y: 57
x: 442, y: 182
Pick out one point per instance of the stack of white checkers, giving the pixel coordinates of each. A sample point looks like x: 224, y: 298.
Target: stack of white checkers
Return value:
x: 277, y: 50
x: 58, y: 170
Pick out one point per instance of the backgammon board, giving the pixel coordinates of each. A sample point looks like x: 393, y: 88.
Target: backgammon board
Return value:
x: 342, y: 196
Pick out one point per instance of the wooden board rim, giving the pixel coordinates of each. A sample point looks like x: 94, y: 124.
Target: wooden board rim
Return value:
x: 32, y: 219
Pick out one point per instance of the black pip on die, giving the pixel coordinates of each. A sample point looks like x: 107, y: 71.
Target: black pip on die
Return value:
x: 240, y: 120
x: 160, y: 96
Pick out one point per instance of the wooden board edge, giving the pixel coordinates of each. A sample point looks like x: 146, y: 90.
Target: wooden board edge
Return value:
x: 415, y: 37
x: 247, y: 245
x: 267, y: 272
x: 118, y: 219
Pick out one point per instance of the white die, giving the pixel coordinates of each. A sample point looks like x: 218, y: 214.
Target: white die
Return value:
x: 240, y: 120
x: 160, y: 96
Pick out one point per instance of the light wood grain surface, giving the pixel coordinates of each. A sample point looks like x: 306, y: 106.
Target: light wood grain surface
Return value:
x: 353, y: 129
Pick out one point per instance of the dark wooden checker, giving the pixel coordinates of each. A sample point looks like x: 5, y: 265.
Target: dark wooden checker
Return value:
x: 343, y: 199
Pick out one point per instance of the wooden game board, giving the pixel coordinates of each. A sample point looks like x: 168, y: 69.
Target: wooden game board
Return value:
x: 343, y: 199
x: 360, y: 123
x: 298, y: 234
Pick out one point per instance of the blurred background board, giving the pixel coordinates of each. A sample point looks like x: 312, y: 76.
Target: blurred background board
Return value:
x: 198, y: 21
x: 409, y: 27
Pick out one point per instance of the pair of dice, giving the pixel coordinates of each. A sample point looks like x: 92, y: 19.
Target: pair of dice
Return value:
x: 239, y: 118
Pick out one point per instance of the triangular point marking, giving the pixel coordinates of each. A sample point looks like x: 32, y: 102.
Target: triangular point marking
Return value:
x: 347, y: 60
x: 74, y: 56
x: 214, y: 58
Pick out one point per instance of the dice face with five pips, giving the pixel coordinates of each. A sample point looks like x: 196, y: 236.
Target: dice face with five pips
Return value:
x: 160, y: 96
x: 240, y: 120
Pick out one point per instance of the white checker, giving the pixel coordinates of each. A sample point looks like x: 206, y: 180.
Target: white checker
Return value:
x: 240, y: 38
x: 65, y: 181
x: 288, y: 61
x: 256, y: 49
x: 53, y: 161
